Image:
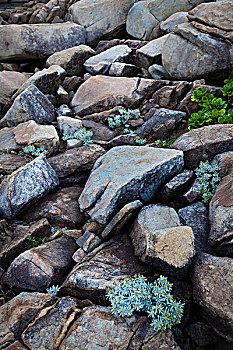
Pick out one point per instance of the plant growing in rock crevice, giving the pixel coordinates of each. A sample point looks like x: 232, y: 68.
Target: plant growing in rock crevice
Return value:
x: 33, y: 151
x: 121, y: 120
x: 81, y: 134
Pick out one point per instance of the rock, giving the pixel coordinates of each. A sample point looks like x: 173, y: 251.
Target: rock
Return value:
x: 121, y: 219
x: 150, y: 53
x: 161, y: 124
x: 72, y: 83
x: 7, y: 140
x: 26, y: 185
x: 9, y: 83
x: 64, y: 111
x: 170, y: 96
x: 196, y: 216
x: 46, y: 80
x: 16, y: 346
x: 192, y: 194
x: 76, y: 160
x: 107, y: 44
x: 60, y: 208
x: 50, y: 326
x: 204, y: 143
x: 30, y: 104
x: 158, y: 72
x: 11, y: 162
x: 100, y: 329
x: 213, y: 292
x: 225, y: 162
x: 99, y: 269
x: 38, y: 135
x: 160, y: 241
x: 100, y: 93
x: 221, y: 217
x: 119, y: 69
x: 100, y: 19
x: 38, y: 41
x: 88, y: 241
x: 41, y: 267
x: 19, y: 312
x: 192, y: 54
x: 202, y: 334
x: 169, y: 24
x: 73, y: 143
x: 124, y: 174
x: 101, y: 63
x: 100, y: 131
x: 145, y: 15
x: 71, y: 59
x: 68, y: 125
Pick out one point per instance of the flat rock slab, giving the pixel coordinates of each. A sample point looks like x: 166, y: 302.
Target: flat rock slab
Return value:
x: 100, y: 93
x: 37, y: 41
x: 26, y: 185
x: 213, y: 292
x: 124, y: 174
x: 30, y: 104
x: 41, y: 267
x: 204, y: 143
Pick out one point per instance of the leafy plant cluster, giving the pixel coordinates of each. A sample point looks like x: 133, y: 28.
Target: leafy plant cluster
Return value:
x: 139, y: 141
x: 81, y: 134
x: 166, y: 143
x: 137, y: 294
x: 32, y: 242
x: 208, y: 179
x: 33, y: 151
x: 214, y: 110
x: 53, y: 290
x: 121, y: 120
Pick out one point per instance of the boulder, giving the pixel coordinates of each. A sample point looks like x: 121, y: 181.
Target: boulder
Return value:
x: 100, y: 93
x: 158, y: 72
x: 204, y: 143
x: 7, y: 140
x: 213, y: 292
x: 26, y: 185
x: 68, y: 125
x: 38, y: 41
x: 119, y: 69
x: 30, y: 104
x: 11, y: 162
x: 41, y: 267
x: 169, y: 24
x: 145, y: 15
x: 100, y: 63
x: 71, y: 59
x: 150, y: 53
x: 101, y: 19
x: 10, y: 82
x: 225, y: 162
x: 160, y: 240
x: 100, y: 131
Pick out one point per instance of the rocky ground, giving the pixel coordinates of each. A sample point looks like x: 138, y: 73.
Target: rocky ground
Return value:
x: 112, y: 202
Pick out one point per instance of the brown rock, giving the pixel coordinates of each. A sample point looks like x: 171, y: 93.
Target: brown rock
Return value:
x: 9, y: 83
x: 11, y: 162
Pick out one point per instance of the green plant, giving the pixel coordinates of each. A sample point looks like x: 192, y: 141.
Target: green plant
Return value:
x: 208, y: 179
x: 214, y: 110
x: 33, y: 151
x: 166, y: 143
x: 32, y: 242
x: 138, y: 140
x: 81, y: 134
x: 137, y: 294
x: 53, y: 290
x: 121, y: 120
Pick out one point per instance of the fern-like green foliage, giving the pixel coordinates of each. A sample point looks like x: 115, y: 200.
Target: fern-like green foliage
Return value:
x: 214, y: 110
x: 32, y: 242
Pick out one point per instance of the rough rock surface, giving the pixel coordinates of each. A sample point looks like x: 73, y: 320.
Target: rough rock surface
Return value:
x: 150, y: 53
x: 26, y: 185
x: 11, y: 162
x: 125, y: 174
x: 216, y: 303
x: 41, y: 267
x: 35, y: 41
x: 9, y: 83
x: 30, y: 104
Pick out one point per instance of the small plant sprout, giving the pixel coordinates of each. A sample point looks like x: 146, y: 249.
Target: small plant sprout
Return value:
x: 32, y: 242
x: 81, y: 134
x: 137, y: 294
x: 53, y: 290
x: 208, y: 179
x: 138, y: 140
x: 166, y: 143
x: 33, y: 151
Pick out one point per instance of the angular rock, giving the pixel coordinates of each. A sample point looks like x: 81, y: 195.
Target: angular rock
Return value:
x: 196, y: 216
x: 7, y: 140
x: 221, y: 217
x: 225, y: 162
x: 30, y: 104
x: 213, y: 292
x: 9, y: 83
x: 192, y: 194
x: 99, y: 269
x: 37, y: 41
x: 41, y: 267
x: 161, y: 124
x: 76, y: 160
x: 158, y: 72
x: 68, y: 125
x: 150, y: 53
x: 71, y: 59
x: 100, y: 63
x: 118, y: 69
x: 11, y: 162
x: 145, y: 15
x: 169, y: 24
x: 125, y: 174
x: 64, y: 111
x: 19, y: 312
x: 38, y: 135
x: 159, y: 240
x: 88, y: 241
x: 26, y: 185
x: 100, y: 93
x: 100, y: 18
x: 60, y: 208
x: 100, y: 131
x: 204, y: 143
x: 50, y: 326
